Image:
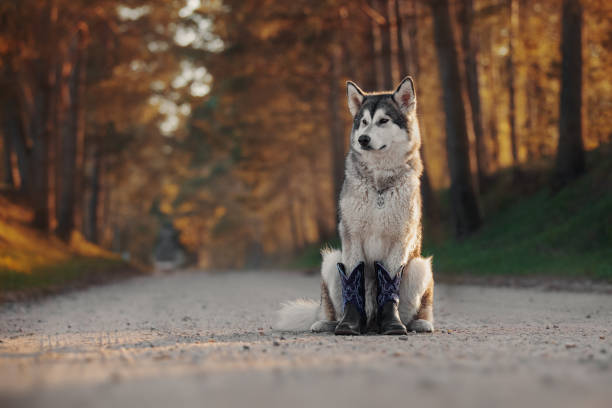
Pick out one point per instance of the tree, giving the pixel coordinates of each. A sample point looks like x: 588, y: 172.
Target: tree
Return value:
x: 13, y: 132
x: 67, y: 163
x: 44, y: 64
x: 370, y: 69
x: 8, y: 167
x: 513, y: 23
x: 470, y: 62
x: 570, y: 161
x: 399, y: 32
x: 463, y: 199
x: 409, y: 64
x: 90, y: 221
x: 385, y: 44
x: 336, y: 131
x: 255, y: 172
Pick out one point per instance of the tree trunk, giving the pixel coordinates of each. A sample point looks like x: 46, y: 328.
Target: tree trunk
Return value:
x: 470, y: 60
x: 369, y: 67
x: 8, y: 165
x: 41, y: 138
x: 492, y: 121
x: 570, y: 162
x: 320, y: 213
x: 105, y: 191
x: 68, y: 150
x: 413, y: 40
x: 297, y: 214
x: 494, y: 137
x: 511, y: 87
x: 41, y: 124
x: 385, y: 45
x: 293, y: 228
x: 463, y: 199
x: 336, y: 126
x: 429, y: 200
x: 13, y: 128
x: 91, y: 219
x: 412, y: 65
x: 401, y: 54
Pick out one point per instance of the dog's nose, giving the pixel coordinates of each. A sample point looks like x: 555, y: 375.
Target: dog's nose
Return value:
x: 364, y: 140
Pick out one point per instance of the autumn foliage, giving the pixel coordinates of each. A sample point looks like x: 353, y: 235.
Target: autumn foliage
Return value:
x: 229, y: 120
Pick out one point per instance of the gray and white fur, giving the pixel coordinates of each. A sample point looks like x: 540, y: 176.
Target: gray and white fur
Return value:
x: 380, y: 215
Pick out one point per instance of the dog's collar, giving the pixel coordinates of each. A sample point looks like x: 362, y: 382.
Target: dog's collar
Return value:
x: 384, y: 190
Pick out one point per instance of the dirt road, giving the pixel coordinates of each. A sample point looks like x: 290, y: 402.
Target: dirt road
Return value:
x: 195, y: 338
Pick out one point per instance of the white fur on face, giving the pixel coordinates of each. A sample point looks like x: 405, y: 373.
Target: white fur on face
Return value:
x: 387, y: 140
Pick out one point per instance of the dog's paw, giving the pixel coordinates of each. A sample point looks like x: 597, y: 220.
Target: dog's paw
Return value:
x: 421, y: 326
x: 323, y: 326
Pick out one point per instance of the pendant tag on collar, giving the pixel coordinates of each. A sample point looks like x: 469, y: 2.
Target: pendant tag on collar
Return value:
x: 380, y: 200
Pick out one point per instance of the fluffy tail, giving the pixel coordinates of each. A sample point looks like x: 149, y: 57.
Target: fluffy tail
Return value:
x: 297, y: 315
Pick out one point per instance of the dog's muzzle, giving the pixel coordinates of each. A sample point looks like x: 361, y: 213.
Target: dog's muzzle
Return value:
x: 364, y: 141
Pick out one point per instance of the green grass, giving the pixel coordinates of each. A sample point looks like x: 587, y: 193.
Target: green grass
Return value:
x: 33, y: 263
x: 529, y: 231
x: 540, y: 235
x: 567, y: 234
x: 73, y: 272
x: 310, y: 257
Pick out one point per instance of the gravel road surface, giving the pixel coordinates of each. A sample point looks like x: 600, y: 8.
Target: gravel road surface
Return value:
x: 196, y: 338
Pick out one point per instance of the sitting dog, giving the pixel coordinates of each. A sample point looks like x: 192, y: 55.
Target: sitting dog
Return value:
x: 378, y: 281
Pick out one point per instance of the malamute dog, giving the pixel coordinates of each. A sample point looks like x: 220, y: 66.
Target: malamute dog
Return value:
x: 378, y: 281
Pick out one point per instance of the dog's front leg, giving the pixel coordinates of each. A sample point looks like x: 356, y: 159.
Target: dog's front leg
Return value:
x: 396, y: 258
x: 352, y: 250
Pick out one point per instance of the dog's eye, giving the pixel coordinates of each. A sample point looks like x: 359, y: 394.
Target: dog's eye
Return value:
x: 383, y: 121
x: 365, y: 122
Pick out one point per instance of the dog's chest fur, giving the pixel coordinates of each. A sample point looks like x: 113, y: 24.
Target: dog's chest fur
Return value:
x: 382, y: 211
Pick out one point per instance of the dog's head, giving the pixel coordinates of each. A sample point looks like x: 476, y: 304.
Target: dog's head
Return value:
x: 384, y: 123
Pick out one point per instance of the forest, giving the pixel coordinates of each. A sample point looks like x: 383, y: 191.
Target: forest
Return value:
x: 227, y: 121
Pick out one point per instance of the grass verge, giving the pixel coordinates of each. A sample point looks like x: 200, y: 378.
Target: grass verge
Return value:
x: 33, y: 264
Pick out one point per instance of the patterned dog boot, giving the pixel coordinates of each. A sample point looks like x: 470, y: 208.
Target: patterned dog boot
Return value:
x: 388, y: 300
x: 353, y: 301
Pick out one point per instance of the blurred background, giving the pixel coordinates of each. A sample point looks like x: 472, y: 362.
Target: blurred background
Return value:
x: 212, y: 134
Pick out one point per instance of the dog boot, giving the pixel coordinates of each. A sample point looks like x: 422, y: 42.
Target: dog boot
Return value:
x: 388, y: 301
x: 353, y: 301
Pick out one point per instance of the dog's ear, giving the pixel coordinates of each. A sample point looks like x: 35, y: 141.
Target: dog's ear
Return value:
x: 355, y: 97
x: 405, y: 96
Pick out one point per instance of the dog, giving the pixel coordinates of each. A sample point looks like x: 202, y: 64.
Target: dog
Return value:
x: 380, y: 228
